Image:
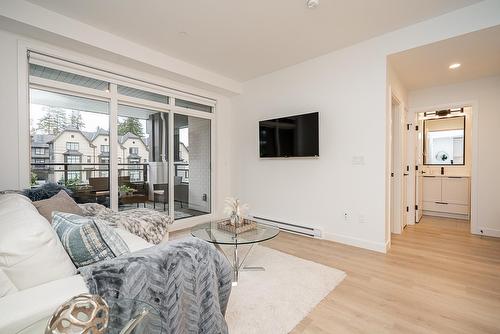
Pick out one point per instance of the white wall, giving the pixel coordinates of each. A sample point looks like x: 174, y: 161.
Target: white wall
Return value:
x: 8, y: 112
x: 349, y: 89
x: 486, y: 93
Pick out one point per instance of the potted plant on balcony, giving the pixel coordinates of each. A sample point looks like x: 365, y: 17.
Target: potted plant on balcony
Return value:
x: 125, y: 190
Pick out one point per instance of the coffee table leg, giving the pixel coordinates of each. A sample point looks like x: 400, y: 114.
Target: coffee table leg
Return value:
x: 237, y: 264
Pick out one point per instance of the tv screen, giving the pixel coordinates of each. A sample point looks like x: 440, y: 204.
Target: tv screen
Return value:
x: 293, y: 136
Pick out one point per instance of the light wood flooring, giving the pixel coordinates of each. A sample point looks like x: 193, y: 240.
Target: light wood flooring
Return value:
x: 437, y: 278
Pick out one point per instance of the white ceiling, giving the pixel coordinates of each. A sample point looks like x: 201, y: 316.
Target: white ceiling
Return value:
x: 427, y: 66
x: 247, y: 38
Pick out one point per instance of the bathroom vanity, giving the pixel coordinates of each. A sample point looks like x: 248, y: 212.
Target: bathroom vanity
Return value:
x: 447, y: 196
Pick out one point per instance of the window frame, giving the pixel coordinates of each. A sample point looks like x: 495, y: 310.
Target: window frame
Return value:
x: 140, y: 81
x: 69, y: 145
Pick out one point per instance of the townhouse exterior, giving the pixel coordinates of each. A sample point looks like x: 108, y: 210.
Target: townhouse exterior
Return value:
x: 78, y: 156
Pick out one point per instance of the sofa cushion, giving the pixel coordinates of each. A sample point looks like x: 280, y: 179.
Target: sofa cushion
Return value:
x: 86, y: 239
x: 61, y: 202
x: 6, y: 285
x: 30, y: 251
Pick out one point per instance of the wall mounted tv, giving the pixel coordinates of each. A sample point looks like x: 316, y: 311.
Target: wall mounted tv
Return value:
x: 288, y: 137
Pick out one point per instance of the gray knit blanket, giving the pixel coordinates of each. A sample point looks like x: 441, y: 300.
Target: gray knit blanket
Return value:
x: 187, y: 281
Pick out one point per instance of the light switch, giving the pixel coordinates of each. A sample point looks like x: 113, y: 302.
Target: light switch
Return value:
x: 358, y: 160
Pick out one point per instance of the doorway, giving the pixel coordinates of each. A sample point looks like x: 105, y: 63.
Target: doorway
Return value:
x: 444, y: 163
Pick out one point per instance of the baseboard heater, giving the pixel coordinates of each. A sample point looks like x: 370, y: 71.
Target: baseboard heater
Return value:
x: 293, y: 228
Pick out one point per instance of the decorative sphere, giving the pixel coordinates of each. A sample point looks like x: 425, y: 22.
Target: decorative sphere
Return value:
x: 82, y: 314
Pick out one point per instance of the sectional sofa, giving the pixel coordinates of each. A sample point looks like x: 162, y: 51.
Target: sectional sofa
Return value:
x: 36, y: 273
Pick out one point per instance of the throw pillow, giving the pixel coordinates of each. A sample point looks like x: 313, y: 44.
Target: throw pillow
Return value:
x: 61, y: 202
x: 87, y: 240
x: 45, y: 191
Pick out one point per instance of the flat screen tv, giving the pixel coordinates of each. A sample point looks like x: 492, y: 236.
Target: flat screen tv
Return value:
x: 287, y: 137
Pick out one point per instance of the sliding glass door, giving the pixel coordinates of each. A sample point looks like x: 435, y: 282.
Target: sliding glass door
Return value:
x: 142, y: 155
x: 192, y: 162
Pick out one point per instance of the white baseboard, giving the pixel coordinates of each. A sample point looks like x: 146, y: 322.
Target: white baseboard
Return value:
x: 381, y: 247
x: 445, y: 215
x: 490, y: 232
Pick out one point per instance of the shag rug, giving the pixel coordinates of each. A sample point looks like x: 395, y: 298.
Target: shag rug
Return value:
x: 277, y: 299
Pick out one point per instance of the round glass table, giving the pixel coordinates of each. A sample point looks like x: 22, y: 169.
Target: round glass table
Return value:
x: 210, y: 232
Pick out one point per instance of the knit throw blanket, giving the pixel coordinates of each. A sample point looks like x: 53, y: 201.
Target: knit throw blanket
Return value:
x: 188, y: 281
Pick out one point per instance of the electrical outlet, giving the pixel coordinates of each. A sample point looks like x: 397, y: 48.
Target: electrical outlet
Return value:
x: 205, y: 197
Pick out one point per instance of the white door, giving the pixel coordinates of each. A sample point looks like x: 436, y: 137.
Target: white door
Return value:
x: 419, y: 172
x: 404, y: 128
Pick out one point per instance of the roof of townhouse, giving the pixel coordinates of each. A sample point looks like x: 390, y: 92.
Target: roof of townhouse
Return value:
x: 130, y: 135
x: 99, y: 132
x: 71, y: 129
x: 41, y: 140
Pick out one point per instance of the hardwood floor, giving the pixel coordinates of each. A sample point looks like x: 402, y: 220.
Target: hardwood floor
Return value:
x: 437, y: 278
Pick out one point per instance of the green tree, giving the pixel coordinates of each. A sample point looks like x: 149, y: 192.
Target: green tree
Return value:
x: 54, y: 121
x: 76, y: 121
x: 132, y: 125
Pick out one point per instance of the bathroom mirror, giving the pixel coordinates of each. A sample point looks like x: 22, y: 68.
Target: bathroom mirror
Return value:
x: 444, y: 141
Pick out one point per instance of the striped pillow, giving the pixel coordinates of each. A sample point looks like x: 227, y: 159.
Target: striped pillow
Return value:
x: 87, y: 240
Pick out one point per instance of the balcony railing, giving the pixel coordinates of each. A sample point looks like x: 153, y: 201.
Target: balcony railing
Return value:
x: 81, y: 173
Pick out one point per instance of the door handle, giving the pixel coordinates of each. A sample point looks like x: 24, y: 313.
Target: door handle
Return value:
x: 405, y: 174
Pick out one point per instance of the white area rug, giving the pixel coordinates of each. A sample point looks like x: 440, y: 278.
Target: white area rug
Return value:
x: 276, y: 300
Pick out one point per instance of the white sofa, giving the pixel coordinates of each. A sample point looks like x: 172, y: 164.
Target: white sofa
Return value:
x: 36, y: 273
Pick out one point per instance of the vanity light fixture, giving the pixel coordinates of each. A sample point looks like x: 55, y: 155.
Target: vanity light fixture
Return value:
x: 454, y: 66
x: 444, y: 113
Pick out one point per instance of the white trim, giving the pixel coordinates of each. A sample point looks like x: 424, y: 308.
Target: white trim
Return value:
x: 381, y: 247
x: 113, y: 148
x: 141, y: 103
x: 194, y: 113
x: 489, y: 232
x: 171, y: 166
x: 474, y: 195
x: 446, y: 215
x: 23, y: 106
x: 64, y: 88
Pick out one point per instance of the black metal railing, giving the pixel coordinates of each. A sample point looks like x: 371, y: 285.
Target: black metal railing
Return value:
x: 81, y: 173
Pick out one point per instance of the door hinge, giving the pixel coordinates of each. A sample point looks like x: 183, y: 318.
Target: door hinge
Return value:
x: 416, y: 207
x: 416, y: 127
x: 407, y: 209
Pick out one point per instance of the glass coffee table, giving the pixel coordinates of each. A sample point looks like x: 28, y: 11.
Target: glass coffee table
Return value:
x: 213, y: 234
